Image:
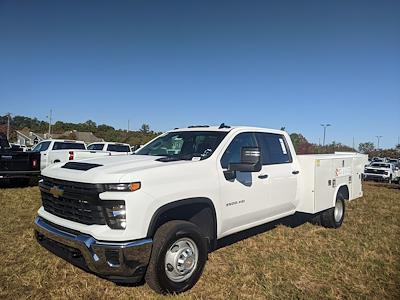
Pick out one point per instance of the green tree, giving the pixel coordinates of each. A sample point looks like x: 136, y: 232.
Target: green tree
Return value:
x: 145, y: 128
x: 366, y: 147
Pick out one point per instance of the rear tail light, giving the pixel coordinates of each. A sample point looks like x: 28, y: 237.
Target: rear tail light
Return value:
x: 34, y: 163
x: 71, y: 155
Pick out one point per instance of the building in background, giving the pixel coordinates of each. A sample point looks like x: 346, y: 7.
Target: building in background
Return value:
x: 25, y: 137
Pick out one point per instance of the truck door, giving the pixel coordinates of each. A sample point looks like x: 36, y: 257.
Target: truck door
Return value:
x: 42, y: 148
x: 279, y: 174
x: 239, y: 196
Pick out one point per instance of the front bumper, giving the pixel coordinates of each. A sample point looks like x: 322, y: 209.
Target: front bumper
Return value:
x: 123, y: 262
x: 378, y: 177
x: 19, y: 174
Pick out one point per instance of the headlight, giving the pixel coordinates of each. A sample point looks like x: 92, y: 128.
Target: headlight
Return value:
x: 116, y: 216
x: 123, y: 187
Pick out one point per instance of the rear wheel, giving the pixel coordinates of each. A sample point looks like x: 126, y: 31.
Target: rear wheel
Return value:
x: 177, y: 259
x: 333, y: 217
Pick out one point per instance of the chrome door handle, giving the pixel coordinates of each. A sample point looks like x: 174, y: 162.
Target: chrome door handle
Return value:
x: 263, y: 176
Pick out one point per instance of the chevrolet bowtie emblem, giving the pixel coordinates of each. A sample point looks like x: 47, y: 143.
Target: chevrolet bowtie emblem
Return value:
x: 56, y: 191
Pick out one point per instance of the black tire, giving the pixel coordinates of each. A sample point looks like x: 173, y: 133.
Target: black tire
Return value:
x: 164, y: 238
x: 328, y: 216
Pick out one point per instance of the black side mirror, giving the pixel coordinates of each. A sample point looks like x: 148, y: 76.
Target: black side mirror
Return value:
x: 250, y: 162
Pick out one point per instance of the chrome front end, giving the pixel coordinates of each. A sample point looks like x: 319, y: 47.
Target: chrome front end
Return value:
x: 117, y: 261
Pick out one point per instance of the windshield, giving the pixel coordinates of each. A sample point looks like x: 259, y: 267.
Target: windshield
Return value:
x: 184, y: 144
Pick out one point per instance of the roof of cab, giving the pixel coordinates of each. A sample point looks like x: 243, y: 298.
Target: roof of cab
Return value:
x: 63, y: 141
x: 225, y: 129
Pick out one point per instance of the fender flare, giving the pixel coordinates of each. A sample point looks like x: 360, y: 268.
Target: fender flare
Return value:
x: 196, y: 216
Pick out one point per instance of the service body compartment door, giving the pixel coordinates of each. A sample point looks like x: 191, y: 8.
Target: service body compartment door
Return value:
x: 323, y: 184
x: 358, y: 168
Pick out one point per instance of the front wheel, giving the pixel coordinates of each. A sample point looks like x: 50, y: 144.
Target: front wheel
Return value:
x: 177, y: 259
x: 333, y: 217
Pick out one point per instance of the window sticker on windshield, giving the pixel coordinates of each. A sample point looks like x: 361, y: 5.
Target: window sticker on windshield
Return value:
x: 283, y: 146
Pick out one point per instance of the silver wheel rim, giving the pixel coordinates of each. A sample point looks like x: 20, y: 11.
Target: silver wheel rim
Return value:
x: 338, y: 211
x: 181, y: 259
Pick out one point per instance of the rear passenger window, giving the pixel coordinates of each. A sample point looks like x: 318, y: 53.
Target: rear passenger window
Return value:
x: 274, y: 149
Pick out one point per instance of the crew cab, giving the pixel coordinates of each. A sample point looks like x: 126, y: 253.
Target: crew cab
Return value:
x: 115, y: 148
x: 56, y: 151
x: 382, y: 171
x: 156, y: 214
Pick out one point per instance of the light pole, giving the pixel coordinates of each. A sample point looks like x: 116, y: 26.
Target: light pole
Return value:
x: 8, y: 126
x: 379, y: 138
x: 49, y: 116
x: 325, y: 126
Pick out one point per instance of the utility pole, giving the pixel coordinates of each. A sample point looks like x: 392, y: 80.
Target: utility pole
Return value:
x: 353, y: 143
x: 49, y: 116
x: 128, y: 126
x: 8, y: 126
x: 379, y: 138
x: 325, y: 126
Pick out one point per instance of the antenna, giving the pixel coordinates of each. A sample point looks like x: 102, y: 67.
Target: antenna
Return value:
x: 223, y: 126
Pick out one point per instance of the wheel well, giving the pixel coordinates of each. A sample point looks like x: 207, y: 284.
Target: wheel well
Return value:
x: 344, y: 190
x: 199, y: 211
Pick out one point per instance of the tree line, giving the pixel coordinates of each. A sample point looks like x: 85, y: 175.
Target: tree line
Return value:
x: 104, y: 131
x: 145, y: 134
x: 302, y: 146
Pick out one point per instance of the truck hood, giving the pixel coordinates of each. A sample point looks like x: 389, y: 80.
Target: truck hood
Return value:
x: 110, y: 169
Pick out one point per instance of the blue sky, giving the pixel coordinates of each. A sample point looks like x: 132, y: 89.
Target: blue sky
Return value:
x: 174, y: 63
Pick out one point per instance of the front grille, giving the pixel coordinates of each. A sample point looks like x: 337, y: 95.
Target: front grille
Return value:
x: 75, y: 201
x: 375, y: 171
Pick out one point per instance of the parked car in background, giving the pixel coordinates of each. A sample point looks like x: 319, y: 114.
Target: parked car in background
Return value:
x: 56, y: 151
x: 15, y: 163
x: 382, y: 171
x: 394, y: 161
x: 377, y: 159
x: 111, y: 147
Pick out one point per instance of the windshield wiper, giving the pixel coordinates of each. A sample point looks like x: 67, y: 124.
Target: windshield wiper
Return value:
x: 175, y: 158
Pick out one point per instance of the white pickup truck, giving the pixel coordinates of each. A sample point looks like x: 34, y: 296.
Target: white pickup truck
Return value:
x: 382, y: 171
x: 157, y: 213
x: 56, y: 151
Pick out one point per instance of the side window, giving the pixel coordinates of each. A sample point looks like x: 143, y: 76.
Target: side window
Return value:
x: 95, y: 147
x: 43, y: 146
x: 232, y: 153
x: 274, y: 149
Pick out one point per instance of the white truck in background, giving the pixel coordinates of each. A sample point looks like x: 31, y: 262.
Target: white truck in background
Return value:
x: 115, y: 148
x: 382, y: 171
x: 157, y: 214
x: 57, y: 151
